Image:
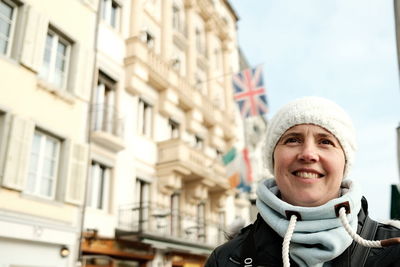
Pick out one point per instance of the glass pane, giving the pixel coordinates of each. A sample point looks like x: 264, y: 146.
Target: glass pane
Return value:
x: 101, y: 189
x: 51, y: 148
x: 3, y: 46
x: 103, y: 8
x: 33, y: 163
x: 61, y: 49
x: 48, y: 170
x: 5, y: 28
x: 46, y: 187
x: 30, y: 185
x: 58, y: 78
x: 6, y: 10
x: 60, y: 63
x: 113, y: 19
x: 44, y: 72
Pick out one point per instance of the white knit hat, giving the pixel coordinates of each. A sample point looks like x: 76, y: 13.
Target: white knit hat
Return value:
x: 311, y: 110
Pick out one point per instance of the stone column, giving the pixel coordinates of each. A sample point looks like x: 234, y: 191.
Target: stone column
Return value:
x: 191, y: 52
x: 136, y: 16
x: 227, y: 72
x: 211, y: 73
x: 166, y: 30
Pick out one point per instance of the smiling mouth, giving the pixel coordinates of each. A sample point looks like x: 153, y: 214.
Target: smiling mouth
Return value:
x: 307, y: 175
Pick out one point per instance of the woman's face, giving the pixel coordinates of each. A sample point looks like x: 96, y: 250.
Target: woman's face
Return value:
x: 309, y: 164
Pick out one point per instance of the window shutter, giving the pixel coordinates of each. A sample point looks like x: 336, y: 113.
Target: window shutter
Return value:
x: 76, y: 172
x: 4, y: 133
x: 81, y: 71
x: 35, y: 37
x: 18, y: 153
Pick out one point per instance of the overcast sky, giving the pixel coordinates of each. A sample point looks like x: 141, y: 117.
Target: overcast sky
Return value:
x: 344, y: 50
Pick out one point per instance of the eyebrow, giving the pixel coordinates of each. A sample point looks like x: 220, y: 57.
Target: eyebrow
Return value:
x: 297, y: 134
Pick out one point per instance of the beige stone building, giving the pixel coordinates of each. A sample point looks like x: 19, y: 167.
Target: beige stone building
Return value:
x: 136, y: 96
x: 46, y: 66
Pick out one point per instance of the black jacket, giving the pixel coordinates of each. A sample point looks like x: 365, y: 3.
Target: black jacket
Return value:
x: 266, y: 247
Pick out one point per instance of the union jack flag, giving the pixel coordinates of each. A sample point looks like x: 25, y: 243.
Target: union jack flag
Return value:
x: 250, y: 92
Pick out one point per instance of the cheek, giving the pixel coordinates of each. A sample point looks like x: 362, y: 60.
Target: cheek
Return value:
x: 281, y: 161
x: 336, y: 164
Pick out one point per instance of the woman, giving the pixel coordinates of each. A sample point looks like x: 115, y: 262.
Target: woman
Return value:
x: 309, y: 214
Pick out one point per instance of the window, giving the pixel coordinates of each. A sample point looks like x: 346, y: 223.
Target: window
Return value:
x: 105, y: 115
x: 8, y: 14
x: 176, y: 18
x: 201, y: 81
x: 145, y: 118
x: 178, y: 61
x: 175, y: 211
x: 142, y: 199
x: 199, y: 44
x: 218, y: 154
x: 218, y: 61
x: 148, y: 38
x: 199, y: 142
x: 56, y: 59
x: 110, y: 13
x: 43, y: 165
x: 173, y: 129
x: 98, y: 196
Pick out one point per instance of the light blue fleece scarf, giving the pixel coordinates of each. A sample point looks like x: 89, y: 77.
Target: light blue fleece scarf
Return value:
x: 319, y: 226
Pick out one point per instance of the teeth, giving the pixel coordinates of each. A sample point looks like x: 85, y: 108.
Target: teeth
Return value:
x: 308, y: 175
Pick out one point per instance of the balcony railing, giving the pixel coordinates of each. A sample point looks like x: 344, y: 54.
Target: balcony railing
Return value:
x: 148, y: 218
x: 106, y: 119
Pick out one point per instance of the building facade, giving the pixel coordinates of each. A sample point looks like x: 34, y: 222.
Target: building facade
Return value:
x: 114, y: 116
x: 46, y: 67
x: 163, y: 114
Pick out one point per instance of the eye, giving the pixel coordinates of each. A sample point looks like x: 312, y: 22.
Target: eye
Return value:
x: 327, y: 142
x: 291, y: 140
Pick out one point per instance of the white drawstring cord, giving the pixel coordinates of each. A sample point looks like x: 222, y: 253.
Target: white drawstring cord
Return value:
x: 354, y: 235
x: 286, y: 241
x: 347, y: 227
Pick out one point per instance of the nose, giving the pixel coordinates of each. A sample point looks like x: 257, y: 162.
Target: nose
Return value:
x: 308, y: 152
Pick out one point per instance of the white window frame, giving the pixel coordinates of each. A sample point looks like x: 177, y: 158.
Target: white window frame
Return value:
x: 39, y: 166
x: 176, y: 17
x: 148, y: 37
x: 107, y: 6
x: 199, y: 41
x: 57, y: 38
x: 174, y: 129
x: 145, y: 118
x: 99, y: 186
x: 198, y: 142
x: 12, y: 23
x: 105, y: 112
x: 142, y: 202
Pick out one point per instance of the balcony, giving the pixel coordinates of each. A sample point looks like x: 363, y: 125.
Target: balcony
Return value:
x: 206, y: 8
x: 107, y: 127
x: 159, y: 69
x: 151, y: 222
x: 140, y: 52
x: 176, y: 156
